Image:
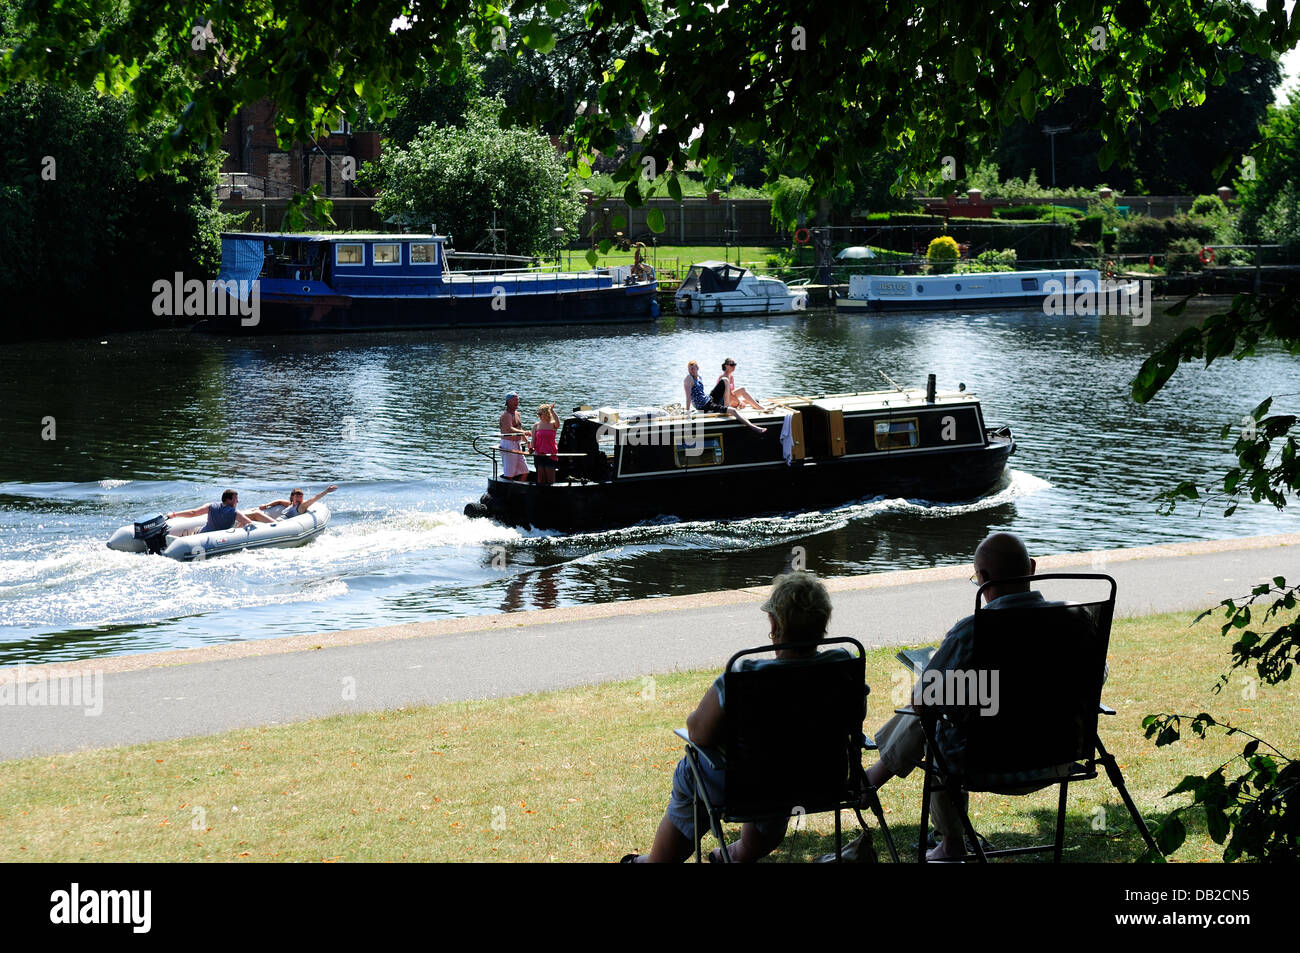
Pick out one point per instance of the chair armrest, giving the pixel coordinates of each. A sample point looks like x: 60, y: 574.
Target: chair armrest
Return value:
x: 869, y: 743
x: 909, y: 710
x: 702, y: 753
x: 1104, y: 709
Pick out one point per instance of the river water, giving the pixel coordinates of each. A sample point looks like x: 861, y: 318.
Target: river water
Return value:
x: 143, y: 423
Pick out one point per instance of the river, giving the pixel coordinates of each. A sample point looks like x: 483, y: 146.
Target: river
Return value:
x: 101, y: 433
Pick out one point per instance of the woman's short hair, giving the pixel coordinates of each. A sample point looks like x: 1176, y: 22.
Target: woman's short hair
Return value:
x: 800, y: 605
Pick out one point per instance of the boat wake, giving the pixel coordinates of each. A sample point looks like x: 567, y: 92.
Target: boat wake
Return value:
x: 760, y: 530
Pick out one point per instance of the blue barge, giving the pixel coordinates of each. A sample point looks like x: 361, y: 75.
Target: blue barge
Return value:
x: 295, y: 283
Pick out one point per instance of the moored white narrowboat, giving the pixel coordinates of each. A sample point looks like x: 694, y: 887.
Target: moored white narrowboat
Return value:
x: 1001, y: 289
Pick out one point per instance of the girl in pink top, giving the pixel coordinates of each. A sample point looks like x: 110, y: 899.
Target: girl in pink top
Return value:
x: 545, y: 451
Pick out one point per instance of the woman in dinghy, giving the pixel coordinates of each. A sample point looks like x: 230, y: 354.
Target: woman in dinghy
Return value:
x: 294, y: 505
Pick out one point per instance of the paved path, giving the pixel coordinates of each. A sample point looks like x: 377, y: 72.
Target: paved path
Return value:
x: 207, y: 690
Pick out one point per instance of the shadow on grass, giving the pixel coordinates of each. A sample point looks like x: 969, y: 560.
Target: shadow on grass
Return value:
x: 1104, y: 835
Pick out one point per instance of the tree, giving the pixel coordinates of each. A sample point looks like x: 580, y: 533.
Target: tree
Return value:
x: 1184, y: 150
x: 1257, y: 812
x: 468, y: 179
x: 82, y: 239
x: 1270, y: 194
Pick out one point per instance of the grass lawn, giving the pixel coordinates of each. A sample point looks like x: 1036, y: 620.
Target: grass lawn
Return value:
x: 575, y: 775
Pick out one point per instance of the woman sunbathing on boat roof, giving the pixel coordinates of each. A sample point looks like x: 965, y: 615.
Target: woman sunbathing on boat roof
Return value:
x: 737, y: 396
x: 718, y: 401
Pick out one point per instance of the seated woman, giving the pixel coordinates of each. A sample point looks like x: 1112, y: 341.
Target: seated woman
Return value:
x: 718, y: 401
x: 798, y: 610
x: 737, y: 396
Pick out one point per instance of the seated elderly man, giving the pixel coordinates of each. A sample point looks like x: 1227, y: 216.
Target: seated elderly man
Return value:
x: 798, y: 610
x: 901, y: 739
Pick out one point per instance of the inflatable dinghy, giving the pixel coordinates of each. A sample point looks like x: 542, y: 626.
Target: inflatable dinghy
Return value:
x: 160, y: 535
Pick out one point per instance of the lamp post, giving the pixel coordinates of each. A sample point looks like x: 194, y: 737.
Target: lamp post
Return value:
x: 1052, y: 132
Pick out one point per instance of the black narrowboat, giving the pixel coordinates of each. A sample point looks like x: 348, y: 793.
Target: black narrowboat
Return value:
x: 620, y: 468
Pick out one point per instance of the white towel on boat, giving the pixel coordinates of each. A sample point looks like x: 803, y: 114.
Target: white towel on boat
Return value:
x: 787, y: 438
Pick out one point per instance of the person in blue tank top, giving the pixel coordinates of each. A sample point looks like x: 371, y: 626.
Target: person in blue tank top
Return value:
x: 223, y: 515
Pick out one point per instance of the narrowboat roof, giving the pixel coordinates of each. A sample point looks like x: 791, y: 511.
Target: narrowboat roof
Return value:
x: 846, y: 403
x: 335, y: 237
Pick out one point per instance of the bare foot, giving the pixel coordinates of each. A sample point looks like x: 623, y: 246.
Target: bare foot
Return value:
x: 757, y: 429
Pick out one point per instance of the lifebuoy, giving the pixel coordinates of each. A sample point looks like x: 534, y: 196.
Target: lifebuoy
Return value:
x: 1207, y: 255
x: 801, y: 235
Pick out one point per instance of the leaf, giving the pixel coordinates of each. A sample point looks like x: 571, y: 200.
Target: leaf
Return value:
x: 619, y: 222
x: 674, y: 188
x: 654, y: 220
x: 1170, y: 835
x: 538, y: 36
x: 592, y: 258
x: 1218, y: 824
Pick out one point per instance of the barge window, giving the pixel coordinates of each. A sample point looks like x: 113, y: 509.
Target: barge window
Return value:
x: 424, y: 254
x: 897, y: 434
x: 388, y: 254
x: 349, y: 254
x: 1028, y: 284
x: 702, y: 452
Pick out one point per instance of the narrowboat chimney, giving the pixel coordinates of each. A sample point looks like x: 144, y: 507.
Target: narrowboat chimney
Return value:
x: 929, y: 389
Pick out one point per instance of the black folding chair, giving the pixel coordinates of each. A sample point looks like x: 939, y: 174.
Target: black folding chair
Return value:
x: 793, y: 743
x: 1040, y: 725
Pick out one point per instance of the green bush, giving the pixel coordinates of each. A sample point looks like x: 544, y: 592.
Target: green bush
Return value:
x: 941, y: 254
x: 1183, y: 255
x: 1004, y: 260
x: 1209, y: 206
x: 1090, y: 227
x: 1145, y: 235
x: 1045, y: 213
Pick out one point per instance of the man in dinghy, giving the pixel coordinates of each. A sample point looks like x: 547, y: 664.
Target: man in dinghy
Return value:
x: 223, y: 515
x: 294, y: 505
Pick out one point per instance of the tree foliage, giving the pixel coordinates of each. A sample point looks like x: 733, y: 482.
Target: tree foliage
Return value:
x: 464, y: 179
x: 82, y: 238
x: 1270, y: 195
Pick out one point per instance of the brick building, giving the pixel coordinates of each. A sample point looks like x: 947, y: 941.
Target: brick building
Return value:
x: 258, y: 167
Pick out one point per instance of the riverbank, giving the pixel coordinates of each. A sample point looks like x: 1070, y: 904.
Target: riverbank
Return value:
x: 579, y: 774
x: 164, y: 695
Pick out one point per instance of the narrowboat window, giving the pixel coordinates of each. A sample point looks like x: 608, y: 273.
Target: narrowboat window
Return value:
x: 1028, y: 284
x: 424, y: 254
x: 702, y: 452
x: 349, y: 254
x: 388, y: 254
x: 897, y: 434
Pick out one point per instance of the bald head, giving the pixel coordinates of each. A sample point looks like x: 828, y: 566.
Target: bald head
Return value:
x: 1003, y: 556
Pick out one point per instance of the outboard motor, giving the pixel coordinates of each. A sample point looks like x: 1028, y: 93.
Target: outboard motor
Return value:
x: 154, y: 533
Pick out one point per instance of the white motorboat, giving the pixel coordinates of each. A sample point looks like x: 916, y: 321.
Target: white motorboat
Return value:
x: 179, y: 537
x: 716, y: 287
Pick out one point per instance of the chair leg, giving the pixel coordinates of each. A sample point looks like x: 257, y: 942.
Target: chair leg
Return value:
x: 968, y: 829
x: 839, y: 839
x: 1060, y: 824
x: 1117, y: 781
x: 926, y: 787
x: 873, y: 801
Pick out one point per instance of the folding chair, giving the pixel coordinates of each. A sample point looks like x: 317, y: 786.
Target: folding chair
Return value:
x: 793, y: 743
x: 1050, y: 663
